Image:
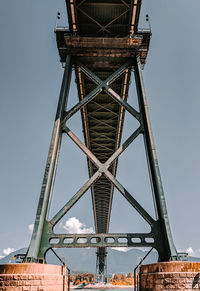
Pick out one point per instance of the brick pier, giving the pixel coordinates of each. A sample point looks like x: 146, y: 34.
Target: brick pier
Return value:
x: 32, y: 277
x: 170, y: 276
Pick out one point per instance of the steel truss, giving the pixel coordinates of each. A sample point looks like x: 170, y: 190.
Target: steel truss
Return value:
x: 44, y: 237
x: 133, y: 8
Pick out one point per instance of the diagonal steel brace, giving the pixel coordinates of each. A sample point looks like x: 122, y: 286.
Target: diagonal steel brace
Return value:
x: 102, y: 84
x: 102, y: 168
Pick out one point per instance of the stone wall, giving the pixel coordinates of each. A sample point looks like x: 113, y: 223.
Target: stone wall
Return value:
x: 170, y: 276
x: 32, y: 277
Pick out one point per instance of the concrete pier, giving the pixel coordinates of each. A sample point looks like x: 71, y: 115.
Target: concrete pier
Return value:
x: 32, y: 277
x: 170, y: 276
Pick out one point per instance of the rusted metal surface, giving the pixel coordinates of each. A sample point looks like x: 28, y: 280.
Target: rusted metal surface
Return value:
x: 107, y: 47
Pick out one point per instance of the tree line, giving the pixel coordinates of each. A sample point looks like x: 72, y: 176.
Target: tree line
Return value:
x: 89, y: 278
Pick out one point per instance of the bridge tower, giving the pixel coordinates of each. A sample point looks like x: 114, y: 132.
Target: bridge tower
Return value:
x: 104, y: 46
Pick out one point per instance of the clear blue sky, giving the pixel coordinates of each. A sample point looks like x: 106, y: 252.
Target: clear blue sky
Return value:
x: 30, y: 78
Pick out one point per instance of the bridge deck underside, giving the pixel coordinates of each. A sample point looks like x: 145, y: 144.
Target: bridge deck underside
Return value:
x: 102, y: 123
x: 102, y: 117
x: 103, y: 17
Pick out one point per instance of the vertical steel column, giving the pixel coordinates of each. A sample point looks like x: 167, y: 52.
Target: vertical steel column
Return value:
x: 101, y: 263
x: 168, y: 249
x: 50, y: 170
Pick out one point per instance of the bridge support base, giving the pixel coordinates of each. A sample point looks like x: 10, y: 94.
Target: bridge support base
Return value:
x: 32, y: 277
x: 170, y: 276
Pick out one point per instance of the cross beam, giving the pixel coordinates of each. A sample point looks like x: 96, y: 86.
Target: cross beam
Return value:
x: 102, y: 240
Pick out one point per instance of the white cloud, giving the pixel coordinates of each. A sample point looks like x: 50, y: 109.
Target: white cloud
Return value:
x: 73, y: 225
x: 126, y: 249
x: 30, y: 228
x: 190, y: 251
x: 1, y: 257
x: 7, y: 251
x: 121, y: 249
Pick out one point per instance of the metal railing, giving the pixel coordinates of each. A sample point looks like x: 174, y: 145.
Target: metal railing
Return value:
x: 64, y: 275
x: 137, y: 274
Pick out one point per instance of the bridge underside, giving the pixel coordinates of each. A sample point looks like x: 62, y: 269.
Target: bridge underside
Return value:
x: 104, y: 46
x: 102, y: 37
x: 103, y: 118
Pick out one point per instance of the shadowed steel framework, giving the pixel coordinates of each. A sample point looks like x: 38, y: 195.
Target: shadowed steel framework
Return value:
x: 104, y: 46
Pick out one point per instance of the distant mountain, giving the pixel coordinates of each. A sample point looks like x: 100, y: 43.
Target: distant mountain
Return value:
x: 10, y: 258
x: 117, y: 261
x: 84, y: 260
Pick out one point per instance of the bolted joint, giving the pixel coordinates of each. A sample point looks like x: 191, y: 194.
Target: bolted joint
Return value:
x: 102, y: 169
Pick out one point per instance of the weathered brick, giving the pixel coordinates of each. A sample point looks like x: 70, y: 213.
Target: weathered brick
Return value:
x: 170, y: 276
x: 31, y: 277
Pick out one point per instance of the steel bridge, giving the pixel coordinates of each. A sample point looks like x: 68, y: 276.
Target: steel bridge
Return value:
x: 104, y: 45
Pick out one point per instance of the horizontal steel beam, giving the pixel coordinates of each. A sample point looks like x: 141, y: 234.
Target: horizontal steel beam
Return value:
x: 77, y: 42
x: 102, y: 240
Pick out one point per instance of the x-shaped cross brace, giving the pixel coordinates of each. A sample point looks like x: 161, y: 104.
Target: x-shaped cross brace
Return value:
x: 106, y: 26
x: 102, y: 168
